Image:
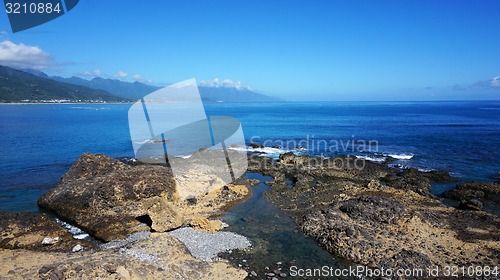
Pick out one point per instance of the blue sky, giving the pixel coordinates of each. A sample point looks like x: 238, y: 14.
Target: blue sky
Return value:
x: 297, y: 50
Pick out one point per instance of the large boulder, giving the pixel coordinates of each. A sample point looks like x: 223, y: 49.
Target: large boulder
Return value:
x: 110, y: 199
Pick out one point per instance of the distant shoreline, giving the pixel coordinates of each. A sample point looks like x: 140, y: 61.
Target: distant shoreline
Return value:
x: 62, y: 103
x: 283, y: 101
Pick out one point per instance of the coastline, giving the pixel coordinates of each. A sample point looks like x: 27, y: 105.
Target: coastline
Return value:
x: 63, y: 103
x: 373, y: 218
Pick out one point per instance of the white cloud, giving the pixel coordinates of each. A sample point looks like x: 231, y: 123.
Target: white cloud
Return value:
x: 95, y: 73
x: 492, y: 83
x: 224, y: 83
x: 495, y: 82
x: 3, y: 32
x: 121, y: 75
x: 140, y: 79
x: 22, y: 56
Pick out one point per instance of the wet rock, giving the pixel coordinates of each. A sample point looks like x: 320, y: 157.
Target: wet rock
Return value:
x: 34, y: 232
x: 472, y: 195
x: 471, y: 204
x: 111, y: 200
x: 256, y: 145
x: 377, y: 215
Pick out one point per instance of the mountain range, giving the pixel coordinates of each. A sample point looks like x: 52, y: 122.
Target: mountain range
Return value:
x: 20, y: 86
x: 35, y: 86
x: 137, y: 90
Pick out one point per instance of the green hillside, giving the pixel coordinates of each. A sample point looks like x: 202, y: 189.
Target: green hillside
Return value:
x: 19, y: 86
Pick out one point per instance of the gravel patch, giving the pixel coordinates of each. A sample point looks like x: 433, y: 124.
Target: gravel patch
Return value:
x: 139, y: 255
x: 141, y: 235
x: 205, y: 246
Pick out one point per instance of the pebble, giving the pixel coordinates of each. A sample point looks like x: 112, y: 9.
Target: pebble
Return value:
x: 282, y: 275
x: 77, y: 248
x: 50, y: 240
x: 278, y: 263
x: 253, y: 273
x: 270, y: 274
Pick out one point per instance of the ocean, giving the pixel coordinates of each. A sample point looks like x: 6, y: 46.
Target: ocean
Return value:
x: 39, y: 142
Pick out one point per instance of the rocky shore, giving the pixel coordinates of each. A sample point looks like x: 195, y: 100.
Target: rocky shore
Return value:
x: 367, y: 213
x: 133, y: 208
x: 380, y: 216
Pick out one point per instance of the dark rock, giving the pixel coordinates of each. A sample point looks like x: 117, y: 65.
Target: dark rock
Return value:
x: 46, y: 268
x: 480, y: 191
x: 410, y: 179
x: 108, y: 198
x: 407, y: 259
x: 439, y: 176
x: 374, y: 209
x: 471, y: 204
x: 256, y: 145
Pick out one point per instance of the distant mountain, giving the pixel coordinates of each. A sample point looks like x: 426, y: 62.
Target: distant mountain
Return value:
x: 20, y: 86
x: 138, y: 90
x: 232, y: 94
x: 118, y: 88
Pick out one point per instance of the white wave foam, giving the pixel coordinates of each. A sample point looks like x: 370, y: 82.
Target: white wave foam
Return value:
x: 425, y: 170
x: 75, y: 231
x: 81, y: 236
x: 150, y: 141
x: 238, y: 149
x: 374, y: 159
x: 401, y: 156
x: 265, y: 150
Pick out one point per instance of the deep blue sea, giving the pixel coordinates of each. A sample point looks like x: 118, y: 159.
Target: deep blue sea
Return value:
x: 40, y: 142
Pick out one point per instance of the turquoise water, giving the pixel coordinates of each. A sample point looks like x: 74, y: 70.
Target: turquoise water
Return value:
x: 40, y: 142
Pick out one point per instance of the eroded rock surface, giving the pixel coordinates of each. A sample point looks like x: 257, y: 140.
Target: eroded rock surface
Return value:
x: 379, y: 216
x: 111, y: 200
x: 161, y: 256
x: 36, y: 232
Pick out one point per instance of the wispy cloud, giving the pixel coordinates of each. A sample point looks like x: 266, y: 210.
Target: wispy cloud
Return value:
x: 23, y: 56
x: 121, y: 75
x: 139, y: 78
x: 224, y: 83
x: 495, y: 82
x: 94, y: 73
x: 492, y: 83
